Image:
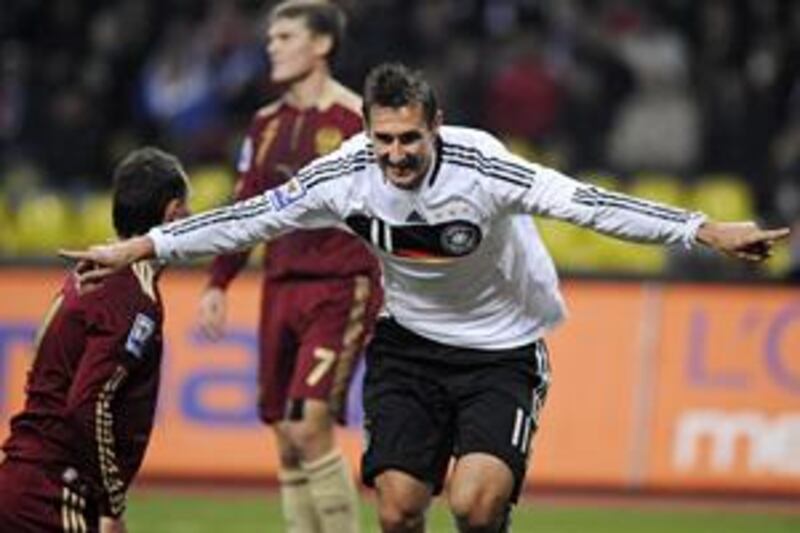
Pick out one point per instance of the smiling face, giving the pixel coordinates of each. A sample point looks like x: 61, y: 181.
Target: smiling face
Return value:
x: 294, y: 50
x: 404, y: 142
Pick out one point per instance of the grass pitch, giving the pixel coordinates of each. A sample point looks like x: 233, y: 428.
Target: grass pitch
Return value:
x: 156, y: 511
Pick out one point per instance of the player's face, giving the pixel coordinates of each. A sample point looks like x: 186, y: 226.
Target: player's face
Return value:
x: 293, y: 49
x: 404, y: 143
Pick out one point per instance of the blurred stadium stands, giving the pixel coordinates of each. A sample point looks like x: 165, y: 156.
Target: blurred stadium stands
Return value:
x: 695, y: 103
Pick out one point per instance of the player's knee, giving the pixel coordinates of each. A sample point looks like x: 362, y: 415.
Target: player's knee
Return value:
x: 309, y: 439
x: 398, y: 516
x: 288, y: 454
x: 402, y: 502
x: 478, y: 509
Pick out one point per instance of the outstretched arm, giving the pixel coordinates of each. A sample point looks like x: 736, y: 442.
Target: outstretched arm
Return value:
x: 98, y: 261
x: 227, y: 229
x: 526, y: 187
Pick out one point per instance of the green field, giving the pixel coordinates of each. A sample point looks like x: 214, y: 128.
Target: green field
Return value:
x: 171, y: 512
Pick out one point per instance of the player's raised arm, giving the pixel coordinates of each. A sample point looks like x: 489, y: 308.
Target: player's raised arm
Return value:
x: 227, y: 229
x: 539, y: 190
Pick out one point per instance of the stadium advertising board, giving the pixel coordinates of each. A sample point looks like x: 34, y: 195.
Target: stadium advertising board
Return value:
x: 654, y: 386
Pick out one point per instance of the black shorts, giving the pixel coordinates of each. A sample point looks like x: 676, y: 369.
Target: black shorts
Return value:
x: 426, y: 402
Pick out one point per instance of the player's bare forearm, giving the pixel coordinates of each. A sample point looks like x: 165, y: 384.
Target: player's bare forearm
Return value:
x: 99, y: 261
x: 742, y: 240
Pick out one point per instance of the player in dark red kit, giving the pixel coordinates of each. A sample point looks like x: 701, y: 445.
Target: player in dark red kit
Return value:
x: 91, y: 393
x: 321, y: 289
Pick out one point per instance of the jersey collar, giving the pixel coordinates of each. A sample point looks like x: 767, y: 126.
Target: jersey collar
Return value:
x: 437, y: 161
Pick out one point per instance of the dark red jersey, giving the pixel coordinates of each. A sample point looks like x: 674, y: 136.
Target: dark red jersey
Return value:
x: 91, y: 393
x: 281, y: 140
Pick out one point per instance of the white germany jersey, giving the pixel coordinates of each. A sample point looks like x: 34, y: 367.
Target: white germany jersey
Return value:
x: 460, y: 265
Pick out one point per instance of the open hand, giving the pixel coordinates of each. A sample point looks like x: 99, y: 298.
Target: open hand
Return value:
x: 212, y: 313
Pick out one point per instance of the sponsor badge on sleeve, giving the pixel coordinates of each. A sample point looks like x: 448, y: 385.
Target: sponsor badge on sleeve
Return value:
x: 141, y: 331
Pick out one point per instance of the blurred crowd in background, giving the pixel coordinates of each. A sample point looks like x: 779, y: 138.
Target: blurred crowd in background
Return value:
x: 696, y: 103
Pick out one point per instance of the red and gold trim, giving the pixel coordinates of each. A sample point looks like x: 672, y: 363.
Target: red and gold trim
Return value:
x: 73, y: 509
x: 104, y: 433
x: 352, y: 343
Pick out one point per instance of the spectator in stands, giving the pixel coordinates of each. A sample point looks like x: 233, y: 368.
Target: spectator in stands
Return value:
x: 658, y: 125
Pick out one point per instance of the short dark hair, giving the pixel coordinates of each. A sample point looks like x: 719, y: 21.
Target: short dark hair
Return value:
x: 145, y: 181
x: 395, y: 85
x: 321, y: 17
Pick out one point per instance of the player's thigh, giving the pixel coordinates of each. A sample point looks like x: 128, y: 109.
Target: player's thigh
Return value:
x: 337, y: 319
x: 277, y: 347
x: 408, y: 420
x: 498, y: 412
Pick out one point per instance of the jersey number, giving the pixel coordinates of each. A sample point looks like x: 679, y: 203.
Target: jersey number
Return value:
x: 325, y: 359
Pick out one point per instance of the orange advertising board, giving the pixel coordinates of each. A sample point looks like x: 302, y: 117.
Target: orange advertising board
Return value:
x: 726, y: 403
x: 585, y: 435
x: 654, y: 385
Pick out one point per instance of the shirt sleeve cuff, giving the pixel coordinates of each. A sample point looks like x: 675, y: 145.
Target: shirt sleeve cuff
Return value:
x: 692, y: 226
x: 161, y: 245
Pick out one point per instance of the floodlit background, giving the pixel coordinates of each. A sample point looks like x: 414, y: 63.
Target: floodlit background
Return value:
x: 678, y: 373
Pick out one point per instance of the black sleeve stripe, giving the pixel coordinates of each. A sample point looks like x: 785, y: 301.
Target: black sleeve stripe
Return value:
x: 471, y: 150
x: 218, y: 215
x: 503, y: 164
x: 632, y: 208
x: 348, y: 167
x: 591, y: 196
x: 313, y: 170
x: 257, y: 205
x: 256, y: 202
x: 643, y: 209
x: 594, y: 192
x: 224, y: 216
x: 474, y: 164
x: 644, y: 203
x: 308, y: 173
x: 194, y: 220
x: 322, y: 165
x: 333, y: 176
x: 492, y: 163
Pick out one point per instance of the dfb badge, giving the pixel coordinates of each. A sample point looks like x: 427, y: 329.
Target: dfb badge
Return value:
x: 459, y: 238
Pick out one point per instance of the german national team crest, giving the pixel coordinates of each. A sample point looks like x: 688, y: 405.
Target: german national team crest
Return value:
x: 458, y: 238
x: 327, y: 140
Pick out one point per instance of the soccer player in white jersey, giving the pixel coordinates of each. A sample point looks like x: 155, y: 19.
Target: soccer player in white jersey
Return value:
x: 458, y: 367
